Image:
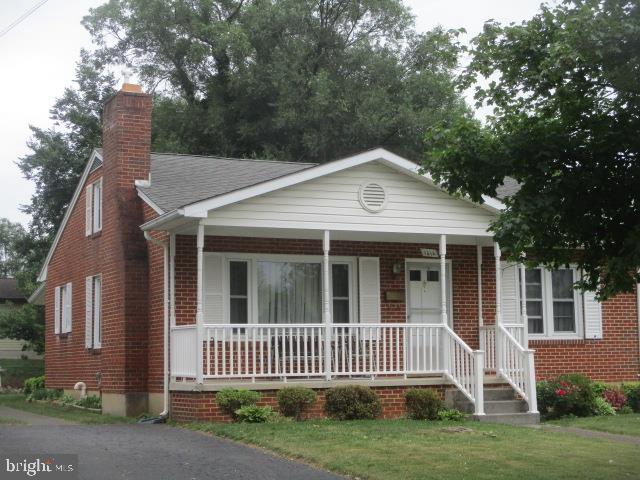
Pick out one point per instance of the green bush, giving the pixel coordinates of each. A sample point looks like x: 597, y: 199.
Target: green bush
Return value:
x: 292, y: 401
x: 632, y: 392
x: 625, y: 410
x: 571, y: 394
x: 352, y: 402
x: 32, y: 384
x: 602, y: 408
x: 44, y: 394
x: 599, y: 388
x: 255, y: 414
x: 67, y: 399
x: 90, y: 401
x: 232, y: 399
x: 451, y: 414
x: 422, y: 404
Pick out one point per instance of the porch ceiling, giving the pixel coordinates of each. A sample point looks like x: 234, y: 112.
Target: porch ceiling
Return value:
x: 347, y: 235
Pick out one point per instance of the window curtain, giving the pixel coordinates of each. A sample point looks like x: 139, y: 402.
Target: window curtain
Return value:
x: 289, y: 292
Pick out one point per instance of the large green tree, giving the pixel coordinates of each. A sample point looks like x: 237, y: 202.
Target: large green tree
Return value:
x: 565, y: 92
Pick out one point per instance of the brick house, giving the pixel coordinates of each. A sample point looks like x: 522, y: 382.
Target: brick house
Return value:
x: 173, y: 276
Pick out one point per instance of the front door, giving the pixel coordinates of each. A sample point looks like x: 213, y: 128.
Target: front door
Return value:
x: 424, y: 305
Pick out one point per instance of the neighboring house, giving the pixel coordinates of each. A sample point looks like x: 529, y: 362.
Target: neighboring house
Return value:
x: 10, y: 297
x: 173, y: 276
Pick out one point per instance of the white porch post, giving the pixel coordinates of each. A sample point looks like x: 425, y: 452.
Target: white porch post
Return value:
x: 443, y: 278
x: 523, y: 306
x: 497, y: 254
x: 199, y: 311
x: 479, y: 265
x: 327, y: 305
x: 172, y: 278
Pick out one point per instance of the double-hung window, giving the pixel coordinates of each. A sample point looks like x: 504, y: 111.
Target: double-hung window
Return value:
x: 341, y: 289
x: 93, y: 312
x: 63, y: 311
x: 553, y: 306
x: 93, y: 212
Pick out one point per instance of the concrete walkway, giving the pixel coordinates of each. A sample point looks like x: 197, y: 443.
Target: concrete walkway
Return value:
x: 583, y: 432
x: 28, y: 418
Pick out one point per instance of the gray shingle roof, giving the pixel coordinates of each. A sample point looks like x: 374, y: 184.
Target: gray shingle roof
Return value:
x: 9, y: 289
x: 179, y: 180
x: 509, y: 187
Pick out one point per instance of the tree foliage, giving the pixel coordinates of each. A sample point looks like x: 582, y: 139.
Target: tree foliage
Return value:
x: 565, y: 92
x: 10, y: 236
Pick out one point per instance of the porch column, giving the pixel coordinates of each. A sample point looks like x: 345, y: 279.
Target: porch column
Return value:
x: 523, y: 306
x: 172, y: 278
x: 199, y: 311
x: 498, y: 322
x: 479, y: 265
x: 443, y: 278
x: 327, y: 305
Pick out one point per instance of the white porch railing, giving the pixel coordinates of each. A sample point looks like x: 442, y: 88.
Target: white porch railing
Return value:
x: 260, y: 351
x: 516, y: 365
x: 488, y: 342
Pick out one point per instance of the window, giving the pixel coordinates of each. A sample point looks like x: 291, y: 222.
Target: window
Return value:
x: 93, y: 312
x: 238, y: 292
x: 340, y: 292
x: 552, y: 306
x: 63, y: 312
x: 289, y: 292
x: 93, y: 213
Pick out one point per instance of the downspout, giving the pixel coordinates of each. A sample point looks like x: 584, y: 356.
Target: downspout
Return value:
x: 165, y: 356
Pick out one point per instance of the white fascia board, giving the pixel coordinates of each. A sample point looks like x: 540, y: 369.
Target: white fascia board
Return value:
x: 42, y: 276
x: 157, y: 222
x: 201, y: 209
x: 149, y: 202
x: 37, y: 297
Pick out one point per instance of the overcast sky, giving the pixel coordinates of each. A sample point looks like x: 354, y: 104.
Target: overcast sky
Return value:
x: 39, y: 55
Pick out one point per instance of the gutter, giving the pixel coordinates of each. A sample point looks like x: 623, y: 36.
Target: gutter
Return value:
x: 165, y: 347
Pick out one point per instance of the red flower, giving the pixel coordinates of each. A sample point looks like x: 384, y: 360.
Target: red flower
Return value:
x: 560, y: 392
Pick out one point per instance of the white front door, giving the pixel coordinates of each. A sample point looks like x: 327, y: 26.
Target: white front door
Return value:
x: 424, y: 305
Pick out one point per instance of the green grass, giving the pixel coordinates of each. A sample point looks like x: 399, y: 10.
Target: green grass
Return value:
x: 409, y: 449
x: 16, y: 370
x: 66, y: 413
x: 10, y: 421
x: 624, y: 424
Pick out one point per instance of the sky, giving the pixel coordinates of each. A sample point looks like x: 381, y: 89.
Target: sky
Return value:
x: 38, y: 58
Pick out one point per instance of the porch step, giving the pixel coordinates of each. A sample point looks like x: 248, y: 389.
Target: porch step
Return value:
x: 501, y: 405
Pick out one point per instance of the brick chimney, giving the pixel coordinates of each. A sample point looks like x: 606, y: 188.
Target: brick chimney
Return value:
x: 126, y: 143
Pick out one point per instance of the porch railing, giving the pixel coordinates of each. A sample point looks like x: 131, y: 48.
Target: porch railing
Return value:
x: 260, y: 351
x: 488, y: 341
x: 516, y: 365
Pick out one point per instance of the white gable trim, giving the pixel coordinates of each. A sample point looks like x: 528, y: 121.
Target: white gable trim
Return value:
x: 42, y: 276
x: 200, y: 209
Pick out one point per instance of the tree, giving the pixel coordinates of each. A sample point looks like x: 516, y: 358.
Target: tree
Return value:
x: 289, y: 79
x: 565, y: 92
x: 10, y: 235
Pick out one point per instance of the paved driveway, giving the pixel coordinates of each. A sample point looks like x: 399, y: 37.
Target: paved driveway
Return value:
x: 152, y: 452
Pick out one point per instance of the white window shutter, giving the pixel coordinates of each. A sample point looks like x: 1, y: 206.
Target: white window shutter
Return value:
x: 510, y: 293
x: 369, y: 289
x: 88, y: 214
x: 213, y: 287
x: 592, y: 316
x: 56, y: 315
x: 68, y: 310
x: 97, y: 206
x: 88, y: 313
x: 97, y: 312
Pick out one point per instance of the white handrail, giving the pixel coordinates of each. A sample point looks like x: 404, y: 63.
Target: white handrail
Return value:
x: 516, y: 365
x: 466, y: 369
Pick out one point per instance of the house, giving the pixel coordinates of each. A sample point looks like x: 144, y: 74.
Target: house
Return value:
x: 173, y: 276
x: 10, y: 296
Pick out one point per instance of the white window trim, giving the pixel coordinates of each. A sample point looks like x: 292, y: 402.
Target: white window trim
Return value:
x: 547, y: 310
x: 252, y: 274
x: 64, y: 314
x: 94, y: 213
x: 96, y: 312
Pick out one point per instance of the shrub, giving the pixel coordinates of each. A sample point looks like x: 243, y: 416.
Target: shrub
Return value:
x: 90, y: 401
x: 255, y: 414
x: 44, y: 394
x: 632, y: 392
x: 422, y: 404
x: 602, y: 408
x: 67, y: 399
x: 571, y: 394
x: 451, y: 414
x: 352, y: 402
x: 599, y: 388
x: 232, y: 399
x: 294, y: 400
x: 32, y: 384
x: 625, y: 410
x: 615, y: 397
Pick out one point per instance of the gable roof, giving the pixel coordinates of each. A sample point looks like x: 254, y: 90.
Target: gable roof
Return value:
x: 9, y: 289
x: 179, y: 180
x: 509, y: 187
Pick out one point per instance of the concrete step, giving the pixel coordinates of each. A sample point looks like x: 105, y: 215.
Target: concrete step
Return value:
x: 524, y: 418
x: 505, y: 406
x: 494, y: 393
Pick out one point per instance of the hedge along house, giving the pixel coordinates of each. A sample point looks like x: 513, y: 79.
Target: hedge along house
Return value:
x: 173, y: 276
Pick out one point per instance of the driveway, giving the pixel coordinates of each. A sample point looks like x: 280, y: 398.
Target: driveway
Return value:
x: 153, y: 452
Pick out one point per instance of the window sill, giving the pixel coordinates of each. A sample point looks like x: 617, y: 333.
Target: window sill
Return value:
x: 542, y: 341
x: 95, y: 235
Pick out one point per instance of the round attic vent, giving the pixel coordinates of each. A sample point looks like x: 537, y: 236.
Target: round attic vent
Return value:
x: 373, y: 197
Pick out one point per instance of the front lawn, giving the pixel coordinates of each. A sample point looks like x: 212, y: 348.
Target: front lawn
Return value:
x: 66, y: 413
x: 624, y: 424
x: 410, y: 449
x: 16, y: 370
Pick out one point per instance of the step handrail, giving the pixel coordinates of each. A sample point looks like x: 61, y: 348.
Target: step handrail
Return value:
x: 515, y: 364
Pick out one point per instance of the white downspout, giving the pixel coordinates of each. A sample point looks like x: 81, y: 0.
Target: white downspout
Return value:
x: 479, y: 260
x: 165, y: 346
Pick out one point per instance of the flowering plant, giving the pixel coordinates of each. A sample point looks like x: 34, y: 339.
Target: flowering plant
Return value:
x: 615, y: 397
x: 571, y: 394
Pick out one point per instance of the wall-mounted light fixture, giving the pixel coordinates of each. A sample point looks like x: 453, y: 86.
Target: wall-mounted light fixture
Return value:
x: 397, y: 268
